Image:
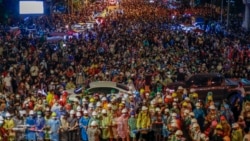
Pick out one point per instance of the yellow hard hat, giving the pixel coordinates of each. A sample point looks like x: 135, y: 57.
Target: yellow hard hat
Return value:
x: 209, y: 97
x: 184, y: 104
x: 219, y: 126
x: 53, y: 114
x: 142, y: 91
x: 92, y: 100
x: 174, y: 95
x: 195, y: 95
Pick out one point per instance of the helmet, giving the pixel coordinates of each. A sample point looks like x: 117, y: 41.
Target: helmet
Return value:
x: 39, y: 113
x: 184, y: 104
x: 144, y: 108
x: 157, y: 109
x: 1, y: 121
x: 178, y: 133
x: 212, y: 107
x: 85, y: 112
x: 174, y: 115
x: 72, y: 112
x: 104, y: 111
x: 195, y: 125
x: 209, y: 97
x: 124, y: 111
x: 1, y: 118
x: 174, y: 95
x: 53, y: 114
x: 91, y: 105
x: 92, y: 100
x: 218, y: 126
x: 94, y: 123
x: 109, y: 105
x: 198, y: 105
x: 94, y: 113
x: 84, y: 100
x: 31, y: 112
x: 104, y: 99
x: 193, y: 120
x: 7, y: 114
x: 187, y: 99
x: 180, y: 88
x: 78, y: 109
x: 98, y: 104
x: 195, y: 95
x: 174, y: 124
x: 78, y: 114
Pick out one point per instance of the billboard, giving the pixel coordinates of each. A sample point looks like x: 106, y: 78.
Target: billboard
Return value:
x: 31, y: 7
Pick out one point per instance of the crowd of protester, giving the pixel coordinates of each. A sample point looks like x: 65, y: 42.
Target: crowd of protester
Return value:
x: 137, y: 45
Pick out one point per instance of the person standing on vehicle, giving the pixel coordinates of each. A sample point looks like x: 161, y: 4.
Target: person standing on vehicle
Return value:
x: 83, y: 123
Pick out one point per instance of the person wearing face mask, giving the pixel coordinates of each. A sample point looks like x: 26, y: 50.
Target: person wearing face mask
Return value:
x: 132, y: 126
x: 105, y: 125
x: 8, y: 125
x: 40, y: 125
x: 143, y: 122
x: 3, y: 132
x: 122, y: 126
x: 83, y: 123
x: 54, y: 125
x: 178, y: 136
x: 93, y: 132
x: 64, y: 126
x: 31, y: 122
x: 199, y: 115
x: 94, y: 118
x: 72, y: 121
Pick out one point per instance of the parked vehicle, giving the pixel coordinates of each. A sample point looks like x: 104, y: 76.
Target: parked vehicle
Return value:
x: 221, y: 87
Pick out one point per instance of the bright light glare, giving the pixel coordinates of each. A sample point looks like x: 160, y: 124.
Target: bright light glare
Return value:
x: 31, y: 7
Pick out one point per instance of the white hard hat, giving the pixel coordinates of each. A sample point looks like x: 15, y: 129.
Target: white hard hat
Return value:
x: 109, y: 105
x: 174, y: 115
x: 7, y: 114
x: 212, y: 107
x: 193, y: 120
x: 191, y: 113
x: 85, y: 112
x: 72, y: 112
x: 166, y: 110
x: 84, y: 100
x: 186, y: 111
x: 22, y: 112
x: 91, y: 105
x: 31, y: 112
x: 198, y: 105
x: 187, y: 98
x: 98, y: 104
x: 179, y: 133
x: 78, y: 109
x: 152, y: 102
x: 1, y: 121
x: 1, y: 118
x: 144, y: 108
x: 195, y: 125
x: 94, y: 123
x: 157, y: 109
x: 180, y: 88
x: 94, y: 113
x: 104, y: 99
x: 104, y: 111
x: 78, y: 114
x: 124, y: 111
x: 174, y: 124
